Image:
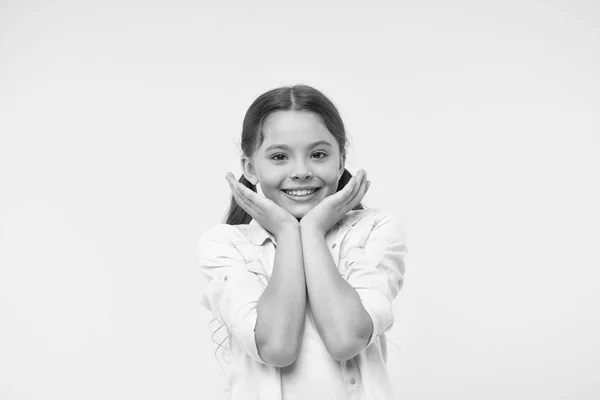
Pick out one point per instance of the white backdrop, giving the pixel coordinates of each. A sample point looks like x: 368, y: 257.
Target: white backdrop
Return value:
x: 477, y: 122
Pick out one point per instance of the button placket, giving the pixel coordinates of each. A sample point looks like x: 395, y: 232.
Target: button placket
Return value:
x: 335, y: 248
x: 351, y: 377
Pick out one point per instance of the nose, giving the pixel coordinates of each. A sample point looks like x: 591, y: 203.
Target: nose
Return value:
x: 301, y: 171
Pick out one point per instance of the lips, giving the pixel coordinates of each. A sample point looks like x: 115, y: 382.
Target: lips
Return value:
x: 301, y: 195
x: 300, y: 192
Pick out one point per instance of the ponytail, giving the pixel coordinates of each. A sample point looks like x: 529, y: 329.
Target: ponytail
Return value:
x: 236, y: 215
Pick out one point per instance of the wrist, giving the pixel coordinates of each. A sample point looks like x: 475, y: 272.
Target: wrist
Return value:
x: 288, y: 227
x: 310, y: 228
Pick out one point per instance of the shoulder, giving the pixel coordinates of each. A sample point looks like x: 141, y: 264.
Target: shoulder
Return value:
x: 373, y: 220
x: 224, y: 233
x: 223, y: 240
x: 369, y: 216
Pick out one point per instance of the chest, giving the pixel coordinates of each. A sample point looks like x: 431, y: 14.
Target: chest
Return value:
x: 340, y: 242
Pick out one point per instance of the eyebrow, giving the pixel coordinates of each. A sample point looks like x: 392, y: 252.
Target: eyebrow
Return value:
x: 286, y: 147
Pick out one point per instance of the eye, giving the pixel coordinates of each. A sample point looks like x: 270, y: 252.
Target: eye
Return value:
x: 278, y: 157
x: 320, y: 154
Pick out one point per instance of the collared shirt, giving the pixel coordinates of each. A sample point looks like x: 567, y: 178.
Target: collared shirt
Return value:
x: 367, y: 246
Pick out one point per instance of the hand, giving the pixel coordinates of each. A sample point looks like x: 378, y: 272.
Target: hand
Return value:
x: 332, y: 208
x: 266, y: 212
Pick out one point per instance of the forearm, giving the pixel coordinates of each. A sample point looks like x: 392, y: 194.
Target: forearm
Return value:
x: 341, y: 320
x: 282, y: 306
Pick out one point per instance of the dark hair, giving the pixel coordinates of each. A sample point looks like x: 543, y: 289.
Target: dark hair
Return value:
x: 300, y: 98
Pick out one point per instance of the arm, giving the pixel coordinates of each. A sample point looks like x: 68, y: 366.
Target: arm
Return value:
x: 232, y: 291
x: 340, y: 317
x: 351, y: 311
x: 282, y: 306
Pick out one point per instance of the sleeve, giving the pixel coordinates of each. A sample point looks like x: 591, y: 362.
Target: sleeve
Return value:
x: 232, y: 291
x: 376, y: 271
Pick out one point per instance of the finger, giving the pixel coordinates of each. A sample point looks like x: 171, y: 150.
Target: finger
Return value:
x: 360, y: 194
x: 234, y: 184
x: 251, y: 197
x: 358, y: 182
x: 348, y: 190
x: 230, y: 178
x: 241, y: 190
x: 238, y: 194
x: 251, y: 206
x: 240, y: 200
x: 340, y: 199
x: 364, y: 189
x: 253, y: 203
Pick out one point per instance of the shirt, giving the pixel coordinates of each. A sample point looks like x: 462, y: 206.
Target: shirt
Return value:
x: 368, y: 248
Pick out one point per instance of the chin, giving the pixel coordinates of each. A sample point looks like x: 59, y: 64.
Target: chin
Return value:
x: 298, y: 214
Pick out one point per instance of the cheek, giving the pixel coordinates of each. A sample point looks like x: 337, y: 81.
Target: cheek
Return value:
x: 331, y: 180
x: 331, y: 173
x: 270, y: 180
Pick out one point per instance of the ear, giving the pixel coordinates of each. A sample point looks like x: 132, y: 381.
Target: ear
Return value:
x: 248, y: 170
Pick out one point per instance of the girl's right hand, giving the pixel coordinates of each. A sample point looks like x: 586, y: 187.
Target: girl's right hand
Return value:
x: 266, y: 212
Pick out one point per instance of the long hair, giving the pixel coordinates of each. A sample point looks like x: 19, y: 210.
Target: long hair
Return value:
x: 297, y: 98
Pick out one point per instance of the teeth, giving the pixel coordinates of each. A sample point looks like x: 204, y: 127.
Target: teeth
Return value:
x: 300, y: 192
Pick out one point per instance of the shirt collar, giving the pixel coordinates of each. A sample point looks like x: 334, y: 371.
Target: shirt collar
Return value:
x: 258, y: 234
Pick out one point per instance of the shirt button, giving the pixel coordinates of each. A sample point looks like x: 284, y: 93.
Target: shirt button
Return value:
x: 352, y: 381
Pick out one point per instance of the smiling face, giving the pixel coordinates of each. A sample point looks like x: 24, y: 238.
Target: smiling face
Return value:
x: 299, y: 162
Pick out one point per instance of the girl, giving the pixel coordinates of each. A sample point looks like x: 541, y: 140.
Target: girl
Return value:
x: 302, y: 276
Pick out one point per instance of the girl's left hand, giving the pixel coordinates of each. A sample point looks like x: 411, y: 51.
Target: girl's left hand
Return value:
x: 331, y: 209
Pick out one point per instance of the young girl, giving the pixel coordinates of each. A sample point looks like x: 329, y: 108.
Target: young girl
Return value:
x: 302, y: 276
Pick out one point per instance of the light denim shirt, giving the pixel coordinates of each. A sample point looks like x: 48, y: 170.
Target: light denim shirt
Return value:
x: 368, y: 248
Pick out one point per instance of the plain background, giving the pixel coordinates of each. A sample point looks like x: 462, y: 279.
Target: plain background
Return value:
x: 477, y: 122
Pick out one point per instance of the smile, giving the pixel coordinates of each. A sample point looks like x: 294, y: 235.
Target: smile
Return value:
x: 300, y: 194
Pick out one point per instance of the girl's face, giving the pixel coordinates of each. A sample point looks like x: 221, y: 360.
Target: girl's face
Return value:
x: 299, y: 162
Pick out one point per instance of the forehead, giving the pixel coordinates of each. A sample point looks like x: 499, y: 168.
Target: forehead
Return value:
x: 295, y: 129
